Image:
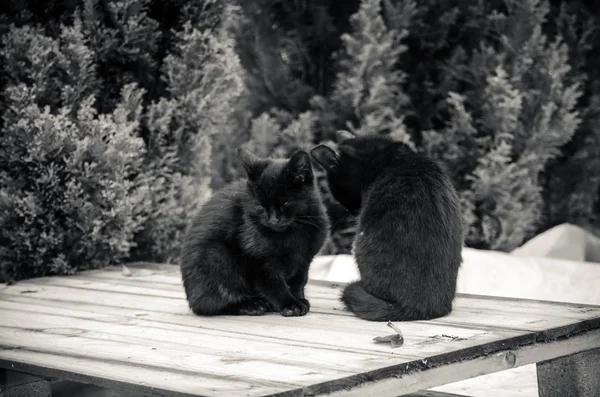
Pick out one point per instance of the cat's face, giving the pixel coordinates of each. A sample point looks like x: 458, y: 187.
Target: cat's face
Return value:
x: 280, y: 191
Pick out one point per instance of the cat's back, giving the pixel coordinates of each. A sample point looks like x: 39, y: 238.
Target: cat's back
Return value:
x: 409, y: 239
x: 413, y: 200
x: 408, y: 179
x: 221, y: 215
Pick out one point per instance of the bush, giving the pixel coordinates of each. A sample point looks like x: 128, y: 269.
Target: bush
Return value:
x: 118, y: 118
x: 70, y: 196
x: 95, y: 172
x: 186, y: 129
x: 496, y: 91
x: 368, y: 93
x: 516, y: 114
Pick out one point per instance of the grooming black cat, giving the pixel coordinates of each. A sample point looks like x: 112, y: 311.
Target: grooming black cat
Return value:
x: 249, y: 249
x: 410, y: 235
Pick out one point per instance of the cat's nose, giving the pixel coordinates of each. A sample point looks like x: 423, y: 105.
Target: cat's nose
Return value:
x: 273, y: 219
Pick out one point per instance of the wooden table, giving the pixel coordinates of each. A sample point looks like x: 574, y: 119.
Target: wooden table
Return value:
x: 133, y: 331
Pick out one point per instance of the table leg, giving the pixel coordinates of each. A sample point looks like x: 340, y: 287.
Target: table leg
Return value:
x: 577, y: 375
x: 18, y: 384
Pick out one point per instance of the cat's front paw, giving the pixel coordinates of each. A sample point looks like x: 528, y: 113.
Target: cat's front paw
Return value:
x: 256, y: 307
x: 296, y: 308
x: 306, y: 303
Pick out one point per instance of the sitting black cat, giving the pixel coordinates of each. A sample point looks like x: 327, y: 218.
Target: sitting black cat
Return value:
x: 410, y: 234
x: 249, y: 249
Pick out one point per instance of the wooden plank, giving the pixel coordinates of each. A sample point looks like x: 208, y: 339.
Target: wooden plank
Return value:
x: 405, y: 381
x: 516, y: 382
x: 89, y: 284
x: 168, y: 277
x: 525, y: 315
x: 321, y: 290
x: 334, y: 347
x: 40, y: 320
x: 156, y: 277
x: 505, y: 312
x: 577, y: 375
x: 385, y: 388
x: 506, y: 302
x: 289, y: 328
x: 63, y: 342
x: 227, y: 347
x: 131, y: 281
x: 328, y: 296
x: 531, y: 319
x: 106, y: 298
x: 147, y: 380
x: 97, y: 319
x: 156, y: 308
x: 111, y: 302
x: 468, y: 312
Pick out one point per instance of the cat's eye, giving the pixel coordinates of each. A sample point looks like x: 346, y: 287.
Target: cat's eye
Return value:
x: 285, y: 204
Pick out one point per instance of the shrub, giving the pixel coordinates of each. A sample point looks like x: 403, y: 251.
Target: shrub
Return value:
x: 494, y: 90
x: 95, y: 172
x: 184, y: 129
x: 517, y: 112
x: 368, y: 94
x: 69, y: 197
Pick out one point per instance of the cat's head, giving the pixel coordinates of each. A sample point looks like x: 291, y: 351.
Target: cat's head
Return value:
x: 349, y: 165
x: 281, y: 191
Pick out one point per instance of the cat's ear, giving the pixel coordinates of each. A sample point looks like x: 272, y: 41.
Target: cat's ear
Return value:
x: 327, y: 157
x: 253, y: 164
x: 342, y: 135
x: 299, y: 167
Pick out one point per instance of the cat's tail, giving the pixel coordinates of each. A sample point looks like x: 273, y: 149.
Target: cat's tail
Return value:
x: 372, y: 308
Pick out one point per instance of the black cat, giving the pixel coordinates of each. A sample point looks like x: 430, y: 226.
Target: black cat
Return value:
x: 410, y: 233
x: 249, y: 249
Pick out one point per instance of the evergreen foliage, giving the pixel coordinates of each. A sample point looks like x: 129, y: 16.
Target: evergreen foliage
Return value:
x: 498, y: 91
x: 184, y: 127
x: 118, y: 118
x: 368, y: 95
x: 522, y: 109
x: 70, y: 194
x: 95, y: 171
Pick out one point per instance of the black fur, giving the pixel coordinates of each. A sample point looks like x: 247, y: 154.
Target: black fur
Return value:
x: 249, y: 249
x: 410, y: 234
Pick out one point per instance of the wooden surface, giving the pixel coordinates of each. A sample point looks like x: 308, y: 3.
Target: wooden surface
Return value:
x: 136, y: 333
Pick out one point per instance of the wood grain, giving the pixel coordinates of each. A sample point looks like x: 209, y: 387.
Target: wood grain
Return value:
x: 137, y: 333
x: 504, y: 313
x: 421, y: 340
x: 459, y: 370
